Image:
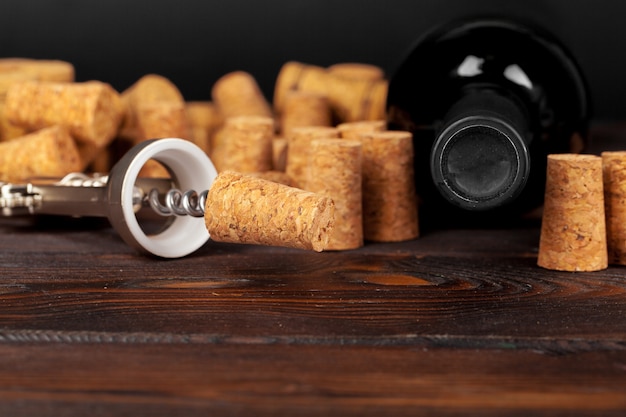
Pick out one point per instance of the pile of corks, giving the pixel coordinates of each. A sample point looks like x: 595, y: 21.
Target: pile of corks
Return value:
x: 314, y: 169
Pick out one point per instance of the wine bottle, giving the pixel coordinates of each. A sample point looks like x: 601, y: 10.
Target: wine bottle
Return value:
x: 487, y: 100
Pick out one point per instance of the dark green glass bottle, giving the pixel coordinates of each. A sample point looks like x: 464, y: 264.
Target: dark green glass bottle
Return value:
x: 487, y: 100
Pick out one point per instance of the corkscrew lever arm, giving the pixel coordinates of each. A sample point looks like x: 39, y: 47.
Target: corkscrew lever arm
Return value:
x: 121, y: 194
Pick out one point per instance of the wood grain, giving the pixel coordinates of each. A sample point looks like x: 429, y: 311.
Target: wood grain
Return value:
x: 456, y: 320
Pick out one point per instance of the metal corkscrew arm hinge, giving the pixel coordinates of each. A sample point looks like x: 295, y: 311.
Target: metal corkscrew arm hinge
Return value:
x: 121, y: 196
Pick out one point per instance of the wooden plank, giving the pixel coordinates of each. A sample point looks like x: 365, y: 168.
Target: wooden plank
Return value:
x: 446, y: 283
x: 454, y: 321
x: 250, y: 379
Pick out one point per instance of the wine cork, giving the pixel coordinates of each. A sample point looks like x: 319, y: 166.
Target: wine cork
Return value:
x: 151, y: 88
x: 8, y: 130
x: 48, y: 152
x: 389, y: 195
x: 304, y: 109
x: 351, y: 99
x: 243, y: 209
x: 161, y: 119
x: 91, y: 111
x: 353, y: 130
x: 203, y: 119
x: 88, y: 152
x: 298, y: 149
x: 245, y: 144
x: 101, y: 161
x: 614, y: 182
x: 335, y: 171
x: 573, y: 231
x: 279, y: 153
x: 275, y: 176
x: 147, y: 90
x: 357, y: 70
x: 14, y: 70
x: 238, y: 94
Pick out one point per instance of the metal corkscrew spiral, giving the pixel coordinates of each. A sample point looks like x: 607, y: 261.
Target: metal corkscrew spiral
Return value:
x: 178, y: 203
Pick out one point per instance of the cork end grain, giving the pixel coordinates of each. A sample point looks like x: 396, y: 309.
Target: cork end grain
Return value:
x: 245, y: 209
x: 573, y: 231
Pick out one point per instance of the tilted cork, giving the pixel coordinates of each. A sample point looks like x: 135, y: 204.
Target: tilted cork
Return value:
x: 14, y: 70
x: 91, y: 111
x: 47, y: 152
x: 351, y: 99
x: 152, y: 109
x: 357, y: 70
x: 238, y: 94
x: 353, y: 130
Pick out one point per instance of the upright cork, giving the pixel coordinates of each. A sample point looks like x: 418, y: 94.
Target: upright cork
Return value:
x: 47, y: 152
x: 299, y: 148
x: 351, y: 99
x: 203, y: 119
x: 353, y: 130
x: 389, y: 195
x: 241, y: 208
x: 238, y: 94
x: 304, y: 109
x: 91, y: 111
x: 573, y: 231
x: 245, y: 144
x: 614, y: 181
x: 335, y: 171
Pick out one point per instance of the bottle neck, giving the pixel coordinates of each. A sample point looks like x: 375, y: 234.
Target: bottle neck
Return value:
x: 480, y: 158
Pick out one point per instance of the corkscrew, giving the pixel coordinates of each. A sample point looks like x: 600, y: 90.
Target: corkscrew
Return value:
x: 123, y: 197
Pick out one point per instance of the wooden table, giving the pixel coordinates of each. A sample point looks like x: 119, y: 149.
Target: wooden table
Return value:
x: 457, y: 322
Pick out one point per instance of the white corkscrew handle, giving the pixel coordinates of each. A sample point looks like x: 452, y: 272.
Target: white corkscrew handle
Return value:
x: 190, y: 168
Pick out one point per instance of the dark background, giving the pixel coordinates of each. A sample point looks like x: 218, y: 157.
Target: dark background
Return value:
x: 195, y: 42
